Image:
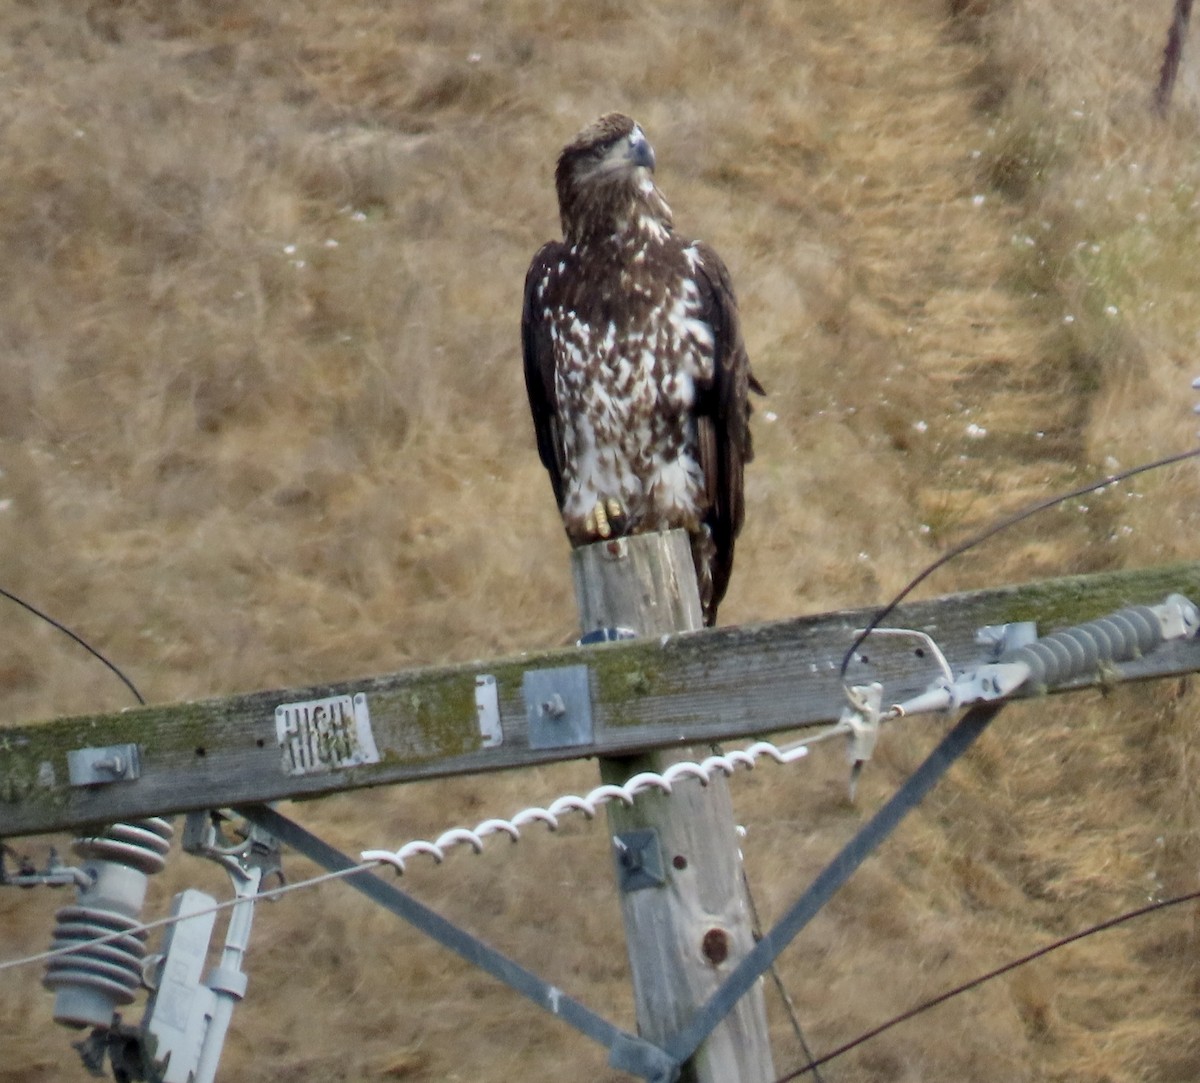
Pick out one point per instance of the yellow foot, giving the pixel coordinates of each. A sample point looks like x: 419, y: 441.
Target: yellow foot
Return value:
x: 605, y: 519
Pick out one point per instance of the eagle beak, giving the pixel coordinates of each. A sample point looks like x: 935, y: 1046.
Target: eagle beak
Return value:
x: 640, y: 152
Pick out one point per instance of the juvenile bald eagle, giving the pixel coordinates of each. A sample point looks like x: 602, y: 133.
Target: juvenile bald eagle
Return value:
x: 634, y: 362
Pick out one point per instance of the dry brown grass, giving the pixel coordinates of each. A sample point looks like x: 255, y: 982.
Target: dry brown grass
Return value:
x: 262, y: 422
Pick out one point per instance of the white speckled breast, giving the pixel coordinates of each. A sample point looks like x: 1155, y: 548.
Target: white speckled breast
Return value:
x: 628, y: 356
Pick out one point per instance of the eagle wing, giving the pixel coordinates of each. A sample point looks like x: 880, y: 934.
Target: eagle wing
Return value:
x: 538, y: 351
x: 723, y: 414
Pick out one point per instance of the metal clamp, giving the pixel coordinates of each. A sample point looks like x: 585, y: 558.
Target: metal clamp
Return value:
x: 558, y: 706
x: 53, y: 874
x: 862, y: 720
x: 1062, y: 656
x: 97, y: 766
x: 639, y: 860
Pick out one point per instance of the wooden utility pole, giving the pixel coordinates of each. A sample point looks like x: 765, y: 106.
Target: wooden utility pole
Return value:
x: 683, y: 897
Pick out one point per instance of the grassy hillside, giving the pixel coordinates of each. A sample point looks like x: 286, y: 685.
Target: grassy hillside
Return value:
x: 262, y: 422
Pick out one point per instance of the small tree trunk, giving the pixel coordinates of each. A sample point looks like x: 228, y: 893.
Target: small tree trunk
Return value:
x: 1172, y: 55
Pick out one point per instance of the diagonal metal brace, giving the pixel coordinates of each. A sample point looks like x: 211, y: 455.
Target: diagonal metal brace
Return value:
x: 627, y: 1052
x: 756, y: 962
x: 639, y: 1057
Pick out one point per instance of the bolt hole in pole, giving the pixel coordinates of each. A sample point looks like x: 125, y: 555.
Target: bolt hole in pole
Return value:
x: 648, y: 583
x: 715, y: 946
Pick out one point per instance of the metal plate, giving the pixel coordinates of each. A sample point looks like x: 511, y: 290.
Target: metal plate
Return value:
x: 325, y: 734
x: 558, y: 705
x: 487, y: 708
x: 96, y: 766
x: 638, y: 857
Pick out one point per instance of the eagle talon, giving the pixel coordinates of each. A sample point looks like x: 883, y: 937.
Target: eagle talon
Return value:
x: 606, y: 519
x: 617, y: 516
x: 600, y: 518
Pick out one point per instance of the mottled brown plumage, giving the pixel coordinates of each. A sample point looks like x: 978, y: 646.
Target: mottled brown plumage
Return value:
x: 637, y: 375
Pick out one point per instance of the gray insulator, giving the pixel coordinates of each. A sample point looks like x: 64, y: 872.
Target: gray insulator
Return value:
x: 1074, y: 652
x: 141, y: 845
x: 91, y: 982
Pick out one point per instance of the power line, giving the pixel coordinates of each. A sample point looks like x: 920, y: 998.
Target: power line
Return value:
x: 725, y: 764
x: 788, y: 1004
x: 996, y: 528
x: 266, y: 893
x: 77, y: 638
x: 950, y: 994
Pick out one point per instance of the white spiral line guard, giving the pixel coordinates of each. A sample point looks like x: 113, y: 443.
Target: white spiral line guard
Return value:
x: 601, y: 795
x: 726, y: 764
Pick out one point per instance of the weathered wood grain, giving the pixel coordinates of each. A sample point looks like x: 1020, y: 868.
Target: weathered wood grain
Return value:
x: 721, y: 684
x: 685, y: 935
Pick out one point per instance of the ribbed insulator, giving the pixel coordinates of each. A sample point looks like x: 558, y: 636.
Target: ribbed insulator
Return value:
x: 97, y: 978
x: 1081, y: 650
x: 92, y: 981
x: 141, y: 845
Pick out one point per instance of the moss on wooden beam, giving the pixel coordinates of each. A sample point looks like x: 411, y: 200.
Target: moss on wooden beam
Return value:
x: 722, y: 684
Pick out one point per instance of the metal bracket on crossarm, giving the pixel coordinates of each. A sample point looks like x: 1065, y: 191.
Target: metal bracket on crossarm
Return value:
x: 1060, y: 657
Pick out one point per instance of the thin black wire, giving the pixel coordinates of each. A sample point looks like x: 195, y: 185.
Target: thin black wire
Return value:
x: 996, y: 528
x: 784, y: 995
x: 78, y: 639
x: 950, y: 994
x: 756, y: 929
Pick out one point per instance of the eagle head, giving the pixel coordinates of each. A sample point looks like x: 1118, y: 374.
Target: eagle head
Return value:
x: 604, y: 181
